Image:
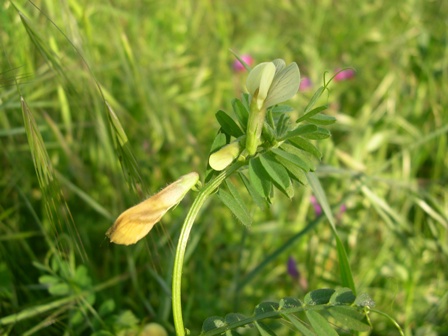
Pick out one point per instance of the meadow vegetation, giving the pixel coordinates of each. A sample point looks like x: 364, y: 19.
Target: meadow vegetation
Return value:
x: 69, y: 166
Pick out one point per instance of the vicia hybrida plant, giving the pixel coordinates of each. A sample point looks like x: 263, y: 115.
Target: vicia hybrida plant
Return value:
x: 259, y: 142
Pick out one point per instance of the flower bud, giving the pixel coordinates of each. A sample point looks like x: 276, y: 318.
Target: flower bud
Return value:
x: 223, y: 157
x: 135, y: 223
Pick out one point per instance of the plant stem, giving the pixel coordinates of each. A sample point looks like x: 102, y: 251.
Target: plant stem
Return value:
x: 206, y: 191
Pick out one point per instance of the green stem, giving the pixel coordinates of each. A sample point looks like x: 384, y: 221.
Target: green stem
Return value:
x: 254, y: 126
x: 206, y: 191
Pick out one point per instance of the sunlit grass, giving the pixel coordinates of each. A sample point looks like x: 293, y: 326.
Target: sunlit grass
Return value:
x: 164, y: 69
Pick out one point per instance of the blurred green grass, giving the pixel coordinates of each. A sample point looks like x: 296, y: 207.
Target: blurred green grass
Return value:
x: 165, y: 69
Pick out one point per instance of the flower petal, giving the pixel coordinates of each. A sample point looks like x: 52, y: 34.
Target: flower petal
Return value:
x: 135, y: 223
x: 260, y: 78
x: 284, y: 86
x: 254, y: 77
x: 279, y: 65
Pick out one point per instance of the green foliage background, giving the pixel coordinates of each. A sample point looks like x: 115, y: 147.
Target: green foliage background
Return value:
x: 165, y: 69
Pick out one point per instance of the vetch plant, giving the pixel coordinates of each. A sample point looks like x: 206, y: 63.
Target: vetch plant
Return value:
x: 268, y: 150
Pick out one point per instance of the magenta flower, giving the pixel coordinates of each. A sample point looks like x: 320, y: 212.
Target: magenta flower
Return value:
x: 305, y: 84
x: 238, y: 67
x: 316, y: 206
x: 344, y: 74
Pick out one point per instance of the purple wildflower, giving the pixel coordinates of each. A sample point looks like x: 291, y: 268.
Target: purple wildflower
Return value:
x: 316, y: 206
x: 305, y: 84
x: 238, y: 67
x: 293, y: 271
x: 344, y: 74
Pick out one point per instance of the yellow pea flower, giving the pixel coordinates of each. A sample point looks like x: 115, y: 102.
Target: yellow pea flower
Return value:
x: 135, y: 223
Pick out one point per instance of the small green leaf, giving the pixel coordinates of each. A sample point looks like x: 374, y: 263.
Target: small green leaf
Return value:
x: 312, y: 113
x: 268, y: 132
x: 281, y: 109
x: 228, y: 125
x: 294, y: 171
x: 300, y: 326
x: 292, y: 158
x: 300, y: 130
x: 82, y: 277
x: 241, y: 112
x: 282, y: 125
x: 263, y: 329
x: 76, y: 318
x: 234, y: 317
x: 59, y: 289
x: 259, y: 179
x: 212, y: 323
x: 289, y: 302
x: 314, y: 99
x: 306, y: 146
x: 303, y: 155
x: 127, y: 319
x: 106, y: 307
x: 320, y: 325
x: 319, y: 134
x: 342, y: 296
x: 49, y: 280
x: 364, y: 300
x: 266, y: 307
x: 349, y: 317
x: 236, y: 204
x: 322, y: 119
x: 256, y: 197
x: 319, y: 296
x: 278, y: 174
x: 219, y: 141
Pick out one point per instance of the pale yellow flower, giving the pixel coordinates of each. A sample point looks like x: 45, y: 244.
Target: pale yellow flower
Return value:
x: 135, y: 223
x: 273, y: 82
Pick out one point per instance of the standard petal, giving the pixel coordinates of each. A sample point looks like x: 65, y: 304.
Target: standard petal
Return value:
x: 279, y: 65
x: 284, y: 86
x: 265, y: 83
x: 254, y: 78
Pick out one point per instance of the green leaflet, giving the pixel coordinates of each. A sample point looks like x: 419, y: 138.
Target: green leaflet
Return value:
x: 349, y: 318
x: 301, y: 154
x: 300, y: 130
x: 320, y: 325
x: 292, y: 158
x: 319, y: 134
x: 278, y: 174
x: 235, y: 203
x: 259, y: 179
x: 306, y: 146
x: 322, y: 119
x: 228, y: 125
x: 241, y: 112
x: 311, y: 113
